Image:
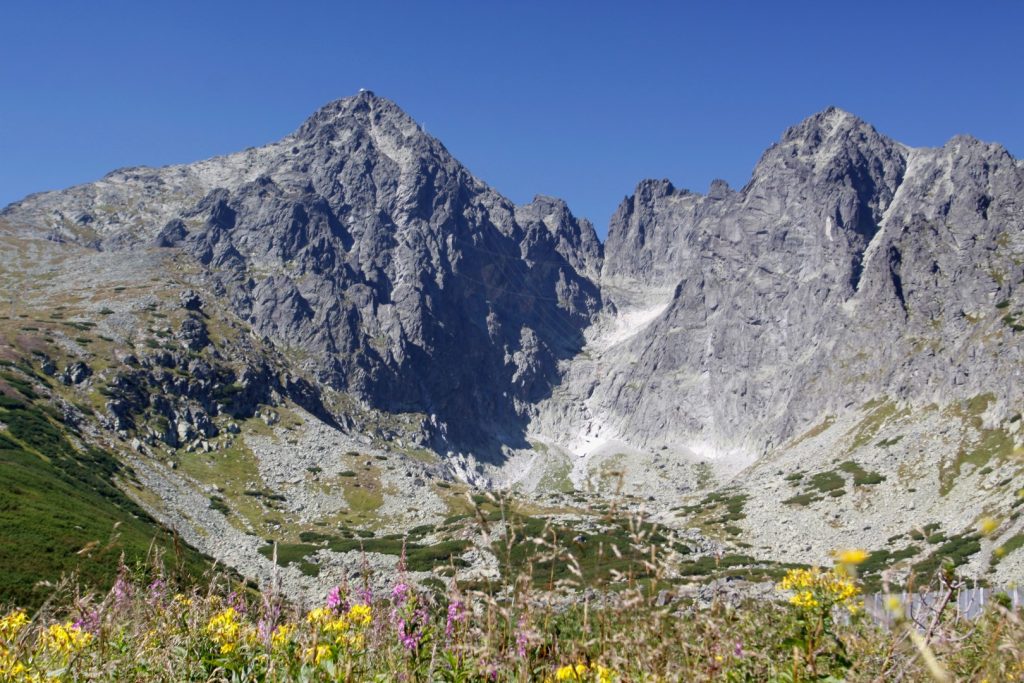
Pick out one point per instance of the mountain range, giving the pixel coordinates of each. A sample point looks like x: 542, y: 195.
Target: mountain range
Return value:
x: 836, y: 345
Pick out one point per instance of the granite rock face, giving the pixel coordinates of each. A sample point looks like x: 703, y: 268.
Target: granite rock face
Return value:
x: 359, y: 245
x: 850, y: 267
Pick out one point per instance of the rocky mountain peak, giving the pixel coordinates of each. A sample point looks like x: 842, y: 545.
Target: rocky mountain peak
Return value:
x: 828, y: 143
x: 365, y: 110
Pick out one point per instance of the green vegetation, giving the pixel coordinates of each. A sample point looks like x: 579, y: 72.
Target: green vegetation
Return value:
x: 1013, y: 321
x: 861, y: 477
x: 418, y: 557
x: 717, y: 512
x: 880, y: 413
x: 553, y: 553
x: 61, y: 511
x: 824, y: 482
x: 955, y: 551
x: 829, y: 483
x: 802, y: 499
x: 1015, y: 542
x: 988, y: 445
x: 880, y: 560
x: 820, y: 428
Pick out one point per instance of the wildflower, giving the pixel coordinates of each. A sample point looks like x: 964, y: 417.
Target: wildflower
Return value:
x: 65, y: 639
x: 804, y: 599
x: 122, y: 588
x: 12, y: 624
x: 400, y: 592
x: 572, y: 672
x: 409, y: 637
x: 334, y: 599
x: 237, y: 601
x: 337, y: 626
x: 987, y: 526
x: 13, y: 670
x: 455, y: 615
x: 317, y: 654
x: 282, y: 635
x: 852, y: 556
x: 156, y: 591
x: 89, y: 622
x: 360, y: 615
x: 815, y: 588
x: 182, y: 601
x: 894, y: 606
x: 522, y: 640
x: 319, y: 616
x: 582, y: 672
x: 224, y: 629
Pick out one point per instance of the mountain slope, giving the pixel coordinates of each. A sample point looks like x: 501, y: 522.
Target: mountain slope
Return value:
x: 360, y: 245
x: 849, y: 267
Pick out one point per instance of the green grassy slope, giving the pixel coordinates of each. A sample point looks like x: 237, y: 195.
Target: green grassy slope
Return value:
x: 61, y: 512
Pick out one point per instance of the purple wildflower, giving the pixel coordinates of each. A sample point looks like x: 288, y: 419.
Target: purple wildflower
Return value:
x: 522, y: 640
x: 237, y: 602
x: 89, y: 622
x: 455, y: 615
x: 157, y: 590
x: 271, y: 615
x: 122, y: 588
x: 409, y: 637
x: 400, y: 592
x: 335, y: 601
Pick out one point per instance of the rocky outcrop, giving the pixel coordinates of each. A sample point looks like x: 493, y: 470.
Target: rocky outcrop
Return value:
x: 849, y: 267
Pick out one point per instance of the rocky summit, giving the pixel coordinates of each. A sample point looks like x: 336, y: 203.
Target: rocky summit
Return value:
x: 346, y: 330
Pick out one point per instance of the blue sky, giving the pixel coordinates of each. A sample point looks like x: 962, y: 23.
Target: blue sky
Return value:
x: 579, y: 100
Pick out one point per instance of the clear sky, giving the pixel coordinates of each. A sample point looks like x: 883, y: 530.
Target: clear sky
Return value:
x: 579, y: 100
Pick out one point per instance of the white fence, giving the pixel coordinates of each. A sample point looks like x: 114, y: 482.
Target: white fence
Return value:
x: 967, y: 602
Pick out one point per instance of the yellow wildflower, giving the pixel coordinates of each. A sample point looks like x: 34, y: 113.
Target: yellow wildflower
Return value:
x: 317, y: 654
x: 320, y: 616
x: 815, y: 588
x: 804, y: 599
x: 180, y: 600
x: 339, y: 625
x: 361, y: 615
x: 12, y: 624
x: 65, y: 639
x: 852, y: 556
x: 987, y: 526
x: 572, y: 672
x: 224, y: 629
x: 11, y: 669
x: 282, y: 635
x: 894, y: 605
